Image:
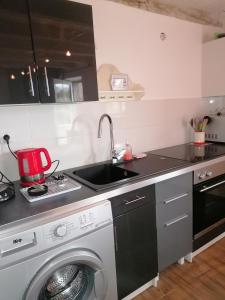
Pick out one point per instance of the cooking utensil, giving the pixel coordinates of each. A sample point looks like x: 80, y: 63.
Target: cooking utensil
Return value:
x: 204, y: 124
x: 199, y: 124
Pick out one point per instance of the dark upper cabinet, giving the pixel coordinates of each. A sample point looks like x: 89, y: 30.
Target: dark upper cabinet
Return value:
x: 64, y: 50
x: 18, y: 82
x: 47, y: 52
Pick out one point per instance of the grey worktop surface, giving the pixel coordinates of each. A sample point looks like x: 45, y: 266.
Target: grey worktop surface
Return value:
x: 19, y: 213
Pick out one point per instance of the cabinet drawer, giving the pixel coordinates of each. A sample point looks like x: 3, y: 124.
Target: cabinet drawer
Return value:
x: 172, y: 208
x: 126, y: 202
x: 174, y: 240
x: 173, y: 187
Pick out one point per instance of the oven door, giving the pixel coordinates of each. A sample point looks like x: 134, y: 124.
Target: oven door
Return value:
x: 208, y: 210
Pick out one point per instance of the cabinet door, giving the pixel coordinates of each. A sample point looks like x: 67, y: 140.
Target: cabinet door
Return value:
x: 213, y: 68
x: 136, y: 249
x: 64, y: 50
x: 174, y: 240
x: 18, y: 82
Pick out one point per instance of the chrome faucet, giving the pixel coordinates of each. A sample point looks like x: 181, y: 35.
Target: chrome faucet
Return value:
x: 113, y: 154
x: 116, y: 156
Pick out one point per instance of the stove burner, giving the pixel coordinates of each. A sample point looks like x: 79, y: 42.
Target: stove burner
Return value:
x: 37, y: 190
x: 52, y: 187
x: 7, y: 192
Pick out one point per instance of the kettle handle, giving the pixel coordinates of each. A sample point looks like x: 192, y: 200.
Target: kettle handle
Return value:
x: 48, y: 159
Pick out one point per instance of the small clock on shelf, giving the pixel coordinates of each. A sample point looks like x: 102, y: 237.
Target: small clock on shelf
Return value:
x: 119, y: 82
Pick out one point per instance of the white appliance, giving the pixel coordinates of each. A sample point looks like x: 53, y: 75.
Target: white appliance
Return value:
x: 215, y: 129
x: 69, y: 258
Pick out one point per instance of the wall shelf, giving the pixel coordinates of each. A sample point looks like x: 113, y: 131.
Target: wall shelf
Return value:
x: 120, y: 95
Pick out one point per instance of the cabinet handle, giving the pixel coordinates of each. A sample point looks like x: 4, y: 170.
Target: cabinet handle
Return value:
x: 176, y: 220
x: 175, y: 198
x: 31, y: 81
x: 46, y: 81
x: 115, y: 238
x: 135, y: 200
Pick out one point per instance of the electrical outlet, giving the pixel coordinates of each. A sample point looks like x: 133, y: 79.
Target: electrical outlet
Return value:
x: 6, y: 138
x: 2, y: 140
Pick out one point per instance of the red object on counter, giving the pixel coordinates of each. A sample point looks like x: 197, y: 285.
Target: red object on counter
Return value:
x: 31, y: 167
x: 128, y: 154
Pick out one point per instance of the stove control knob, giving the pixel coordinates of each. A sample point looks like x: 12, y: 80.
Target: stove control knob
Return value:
x: 60, y: 230
x: 201, y: 175
x: 209, y: 173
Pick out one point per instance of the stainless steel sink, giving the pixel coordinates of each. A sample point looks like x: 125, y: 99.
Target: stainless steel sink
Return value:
x: 102, y: 176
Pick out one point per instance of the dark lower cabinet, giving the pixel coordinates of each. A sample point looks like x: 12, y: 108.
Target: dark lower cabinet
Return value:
x: 135, y: 239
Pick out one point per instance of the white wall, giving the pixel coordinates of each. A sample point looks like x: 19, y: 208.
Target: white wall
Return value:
x: 129, y: 39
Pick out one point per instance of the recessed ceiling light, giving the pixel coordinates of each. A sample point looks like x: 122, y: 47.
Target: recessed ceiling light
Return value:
x: 47, y: 60
x: 12, y: 76
x: 68, y: 53
x: 23, y: 73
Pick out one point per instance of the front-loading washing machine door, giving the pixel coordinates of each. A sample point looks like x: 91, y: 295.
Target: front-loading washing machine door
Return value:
x: 71, y: 275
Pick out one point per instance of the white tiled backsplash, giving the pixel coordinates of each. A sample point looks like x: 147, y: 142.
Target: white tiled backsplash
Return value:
x: 69, y: 132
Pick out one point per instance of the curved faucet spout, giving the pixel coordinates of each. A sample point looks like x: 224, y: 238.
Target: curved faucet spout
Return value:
x: 111, y: 131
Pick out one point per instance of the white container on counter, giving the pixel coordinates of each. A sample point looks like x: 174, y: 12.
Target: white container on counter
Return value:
x: 199, y: 137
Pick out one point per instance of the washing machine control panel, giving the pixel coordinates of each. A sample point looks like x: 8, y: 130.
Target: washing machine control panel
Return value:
x: 78, y: 224
x: 17, y: 245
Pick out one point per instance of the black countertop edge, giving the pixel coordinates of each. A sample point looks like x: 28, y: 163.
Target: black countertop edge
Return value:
x: 18, y: 213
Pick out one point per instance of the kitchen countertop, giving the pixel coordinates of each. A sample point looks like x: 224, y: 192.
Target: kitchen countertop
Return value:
x: 18, y: 214
x: 193, y: 153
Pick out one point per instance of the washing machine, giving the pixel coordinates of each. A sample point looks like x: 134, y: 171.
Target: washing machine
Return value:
x: 69, y: 258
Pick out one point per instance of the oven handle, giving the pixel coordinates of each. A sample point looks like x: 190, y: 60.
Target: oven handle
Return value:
x: 211, y: 186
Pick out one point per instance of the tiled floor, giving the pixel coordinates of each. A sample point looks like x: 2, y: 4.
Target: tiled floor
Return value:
x: 204, y: 279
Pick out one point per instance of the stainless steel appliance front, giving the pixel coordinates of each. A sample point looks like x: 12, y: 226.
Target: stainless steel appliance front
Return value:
x: 208, y: 204
x: 70, y: 258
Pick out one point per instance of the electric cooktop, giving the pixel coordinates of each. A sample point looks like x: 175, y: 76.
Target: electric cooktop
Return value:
x: 192, y: 152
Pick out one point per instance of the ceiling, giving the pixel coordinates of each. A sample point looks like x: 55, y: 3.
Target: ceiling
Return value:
x: 208, y: 12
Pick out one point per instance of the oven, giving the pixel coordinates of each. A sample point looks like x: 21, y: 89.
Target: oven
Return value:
x: 208, y: 204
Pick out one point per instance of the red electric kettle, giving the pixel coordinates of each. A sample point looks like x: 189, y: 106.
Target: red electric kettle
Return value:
x: 31, y: 167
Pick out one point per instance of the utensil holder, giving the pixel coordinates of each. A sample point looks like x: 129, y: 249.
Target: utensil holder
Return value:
x: 199, y: 137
